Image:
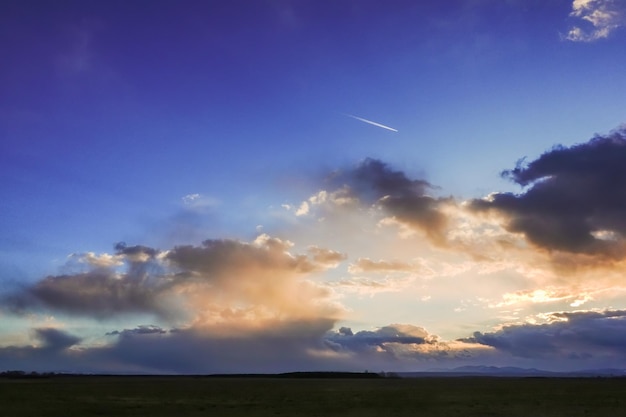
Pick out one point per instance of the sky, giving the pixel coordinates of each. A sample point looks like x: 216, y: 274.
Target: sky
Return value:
x: 218, y: 186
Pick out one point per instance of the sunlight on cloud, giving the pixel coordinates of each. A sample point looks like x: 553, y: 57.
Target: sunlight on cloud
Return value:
x: 303, y: 209
x: 532, y: 296
x: 103, y: 260
x: 364, y: 286
x: 604, y: 16
x: 381, y: 266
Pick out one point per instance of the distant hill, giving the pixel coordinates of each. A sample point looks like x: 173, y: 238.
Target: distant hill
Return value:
x: 511, y: 371
x: 305, y: 375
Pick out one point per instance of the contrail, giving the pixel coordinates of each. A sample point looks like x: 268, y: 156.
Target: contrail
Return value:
x: 372, y: 123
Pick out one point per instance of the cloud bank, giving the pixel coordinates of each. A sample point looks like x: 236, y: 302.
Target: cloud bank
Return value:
x: 587, y: 336
x: 269, y: 305
x: 202, y: 283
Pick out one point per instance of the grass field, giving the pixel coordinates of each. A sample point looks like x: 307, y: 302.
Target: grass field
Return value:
x: 205, y: 396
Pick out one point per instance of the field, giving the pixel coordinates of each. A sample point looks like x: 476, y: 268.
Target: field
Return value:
x: 66, y: 396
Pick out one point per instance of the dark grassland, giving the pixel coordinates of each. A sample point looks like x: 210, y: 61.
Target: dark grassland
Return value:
x: 67, y: 396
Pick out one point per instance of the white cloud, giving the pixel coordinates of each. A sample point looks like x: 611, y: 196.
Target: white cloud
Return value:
x: 602, y: 17
x: 303, y: 210
x: 190, y: 198
x: 197, y: 201
x: 103, y: 260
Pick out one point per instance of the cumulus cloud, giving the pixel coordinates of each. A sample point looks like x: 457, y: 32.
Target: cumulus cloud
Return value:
x: 374, y: 183
x: 599, y: 19
x: 377, y: 339
x: 260, y: 305
x: 574, y: 200
x: 403, y: 343
x: 580, y: 336
x: 219, y: 281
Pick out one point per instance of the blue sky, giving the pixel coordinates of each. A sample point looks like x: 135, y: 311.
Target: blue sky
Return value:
x: 166, y: 124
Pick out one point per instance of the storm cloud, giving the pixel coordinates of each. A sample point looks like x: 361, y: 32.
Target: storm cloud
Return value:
x: 574, y: 200
x: 281, y: 346
x: 55, y: 339
x: 586, y: 335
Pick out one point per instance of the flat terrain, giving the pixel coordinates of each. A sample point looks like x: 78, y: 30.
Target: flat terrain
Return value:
x: 66, y: 396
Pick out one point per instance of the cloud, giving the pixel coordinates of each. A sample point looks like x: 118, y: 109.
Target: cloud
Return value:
x: 220, y: 281
x: 402, y: 343
x: 190, y: 198
x: 367, y: 265
x: 55, y: 339
x: 602, y: 17
x: 371, y: 287
x: 303, y: 210
x: 393, y: 333
x: 373, y: 182
x: 286, y: 347
x: 144, y: 329
x: 549, y: 295
x: 198, y: 202
x: 95, y: 293
x: 55, y: 351
x: 579, y: 336
x: 576, y: 339
x: 327, y: 257
x: 573, y: 201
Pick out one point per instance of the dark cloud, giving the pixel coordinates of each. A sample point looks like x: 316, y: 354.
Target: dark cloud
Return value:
x: 55, y: 339
x: 283, y: 346
x: 98, y: 293
x: 374, y: 182
x: 215, y: 257
x: 144, y: 329
x: 53, y: 353
x: 575, y: 201
x: 568, y: 341
x: 287, y: 345
x: 137, y: 251
x: 570, y: 335
x: 379, y: 339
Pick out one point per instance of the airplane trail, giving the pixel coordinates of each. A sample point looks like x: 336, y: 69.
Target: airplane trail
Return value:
x: 372, y: 123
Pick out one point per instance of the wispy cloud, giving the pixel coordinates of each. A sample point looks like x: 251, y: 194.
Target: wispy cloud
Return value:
x: 371, y: 122
x: 604, y: 16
